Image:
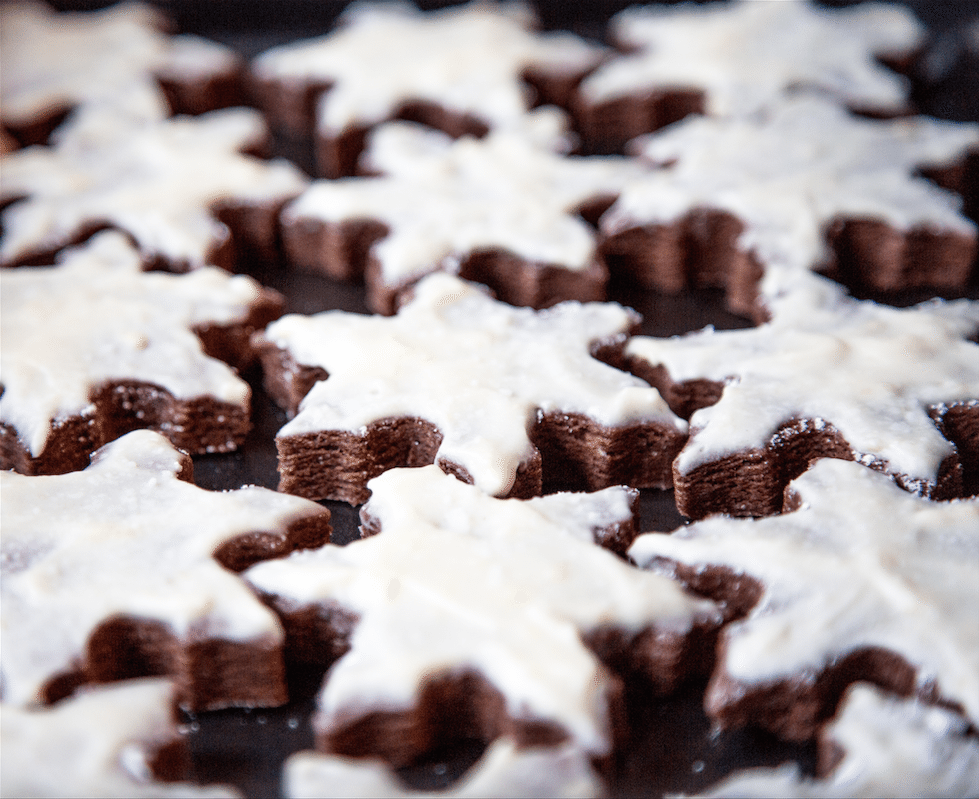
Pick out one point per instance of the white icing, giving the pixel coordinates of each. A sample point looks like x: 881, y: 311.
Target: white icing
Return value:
x: 96, y: 317
x: 869, y: 370
x: 861, y: 564
x: 101, y: 64
x: 95, y: 744
x: 124, y: 537
x: 892, y: 747
x: 503, y: 770
x: 457, y: 579
x: 480, y: 370
x: 468, y: 59
x: 788, y: 172
x: 158, y: 182
x: 748, y: 55
x: 442, y: 199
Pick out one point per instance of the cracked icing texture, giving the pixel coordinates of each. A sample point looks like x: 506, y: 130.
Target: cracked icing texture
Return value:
x: 95, y: 318
x: 125, y: 537
x: 786, y: 174
x: 104, y: 65
x: 480, y: 370
x: 749, y: 55
x: 98, y: 743
x: 503, y: 770
x: 468, y: 60
x: 870, y: 371
x: 443, y: 199
x: 160, y: 183
x: 861, y: 564
x: 892, y: 747
x: 454, y: 580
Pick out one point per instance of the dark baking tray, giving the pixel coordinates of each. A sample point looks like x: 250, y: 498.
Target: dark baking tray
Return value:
x: 672, y: 748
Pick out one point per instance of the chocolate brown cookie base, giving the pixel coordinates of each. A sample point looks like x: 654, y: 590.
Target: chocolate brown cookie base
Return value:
x: 198, y: 425
x: 459, y: 706
x: 209, y: 672
x: 342, y: 251
x: 290, y: 106
x: 572, y: 452
x: 796, y: 708
x: 700, y: 250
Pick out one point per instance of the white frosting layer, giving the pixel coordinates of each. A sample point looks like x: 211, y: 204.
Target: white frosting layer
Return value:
x: 102, y: 64
x: 861, y: 564
x: 480, y: 370
x: 788, y: 172
x: 869, y: 370
x: 503, y: 770
x: 96, y: 317
x: 158, y: 182
x: 468, y: 59
x: 457, y: 579
x: 892, y: 747
x: 748, y: 55
x: 443, y: 198
x: 124, y: 537
x: 96, y: 743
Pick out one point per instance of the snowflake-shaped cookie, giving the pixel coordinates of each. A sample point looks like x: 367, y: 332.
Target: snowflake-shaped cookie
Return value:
x: 490, y: 392
x: 114, y: 572
x: 462, y: 68
x: 457, y: 582
x: 105, y: 742
x: 896, y: 389
x: 499, y: 210
x: 863, y: 581
x: 805, y: 186
x: 108, y: 68
x: 737, y: 57
x: 890, y: 747
x: 505, y: 769
x: 165, y: 184
x: 94, y: 347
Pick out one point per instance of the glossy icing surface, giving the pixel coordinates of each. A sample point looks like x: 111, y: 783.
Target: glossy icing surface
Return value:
x: 124, y: 537
x: 467, y: 59
x: 96, y: 743
x: 892, y: 747
x: 480, y: 370
x: 454, y: 580
x: 97, y: 317
x: 788, y: 172
x: 102, y: 65
x: 861, y: 564
x: 869, y: 370
x: 159, y: 182
x: 747, y: 55
x: 443, y: 199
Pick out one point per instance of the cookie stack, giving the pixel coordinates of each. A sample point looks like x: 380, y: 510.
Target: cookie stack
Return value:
x: 377, y: 392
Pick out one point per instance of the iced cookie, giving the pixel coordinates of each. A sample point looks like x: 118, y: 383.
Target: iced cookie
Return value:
x: 465, y: 69
x: 505, y: 769
x: 94, y: 347
x: 126, y: 569
x: 115, y: 741
x: 748, y: 203
x: 112, y: 67
x: 501, y: 210
x: 461, y: 615
x: 878, y: 746
x: 185, y: 189
x: 862, y: 581
x: 510, y: 399
x: 731, y: 59
x: 895, y: 389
